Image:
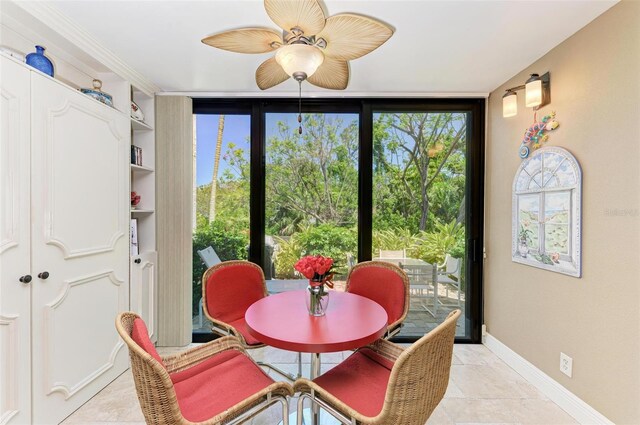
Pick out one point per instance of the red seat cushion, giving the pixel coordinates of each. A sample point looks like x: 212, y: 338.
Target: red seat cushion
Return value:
x: 231, y: 289
x: 216, y: 389
x: 381, y: 285
x: 241, y: 326
x: 360, y: 381
x: 140, y: 335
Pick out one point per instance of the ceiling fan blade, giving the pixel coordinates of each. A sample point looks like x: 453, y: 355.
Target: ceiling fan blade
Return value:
x: 332, y: 74
x: 350, y: 36
x: 270, y: 74
x: 304, y: 14
x: 245, y: 40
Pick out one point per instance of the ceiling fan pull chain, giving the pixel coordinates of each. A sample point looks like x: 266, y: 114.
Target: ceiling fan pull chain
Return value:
x: 300, y: 106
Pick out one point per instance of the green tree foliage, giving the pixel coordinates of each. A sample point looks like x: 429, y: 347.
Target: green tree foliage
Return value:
x: 312, y: 185
x: 229, y: 244
x: 420, y: 162
x: 394, y: 239
x: 447, y: 238
x: 313, y: 179
x: 289, y: 250
x: 324, y: 239
x: 232, y: 197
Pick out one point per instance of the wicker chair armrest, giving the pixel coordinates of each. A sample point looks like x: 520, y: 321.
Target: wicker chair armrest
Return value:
x: 304, y: 385
x: 186, y: 359
x: 386, y: 349
x: 282, y: 389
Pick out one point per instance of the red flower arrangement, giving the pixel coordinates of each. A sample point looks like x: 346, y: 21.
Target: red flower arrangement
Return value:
x: 135, y: 199
x: 317, y: 269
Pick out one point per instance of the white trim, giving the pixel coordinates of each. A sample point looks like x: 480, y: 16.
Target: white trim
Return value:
x: 69, y: 29
x: 325, y: 94
x: 557, y: 393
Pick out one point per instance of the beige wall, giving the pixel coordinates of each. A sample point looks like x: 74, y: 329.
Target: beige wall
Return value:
x: 595, y: 91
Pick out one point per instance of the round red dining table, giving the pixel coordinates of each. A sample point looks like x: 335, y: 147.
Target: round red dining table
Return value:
x: 282, y: 321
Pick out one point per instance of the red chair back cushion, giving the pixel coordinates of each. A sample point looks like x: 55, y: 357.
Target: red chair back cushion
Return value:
x: 231, y: 289
x: 204, y: 366
x: 381, y: 285
x: 140, y: 335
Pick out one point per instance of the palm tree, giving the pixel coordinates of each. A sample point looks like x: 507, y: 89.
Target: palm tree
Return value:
x: 216, y: 163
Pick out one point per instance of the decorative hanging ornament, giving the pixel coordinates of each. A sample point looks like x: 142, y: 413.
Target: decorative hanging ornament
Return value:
x: 535, y: 135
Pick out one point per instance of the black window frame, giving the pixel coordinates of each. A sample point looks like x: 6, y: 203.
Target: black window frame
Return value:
x: 257, y: 108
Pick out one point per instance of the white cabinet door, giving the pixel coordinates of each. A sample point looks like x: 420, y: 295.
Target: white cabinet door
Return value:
x: 144, y: 297
x: 15, y: 364
x: 80, y: 236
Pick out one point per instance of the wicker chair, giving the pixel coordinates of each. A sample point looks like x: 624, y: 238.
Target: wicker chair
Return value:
x: 228, y: 289
x: 386, y: 284
x: 193, y: 386
x: 383, y: 384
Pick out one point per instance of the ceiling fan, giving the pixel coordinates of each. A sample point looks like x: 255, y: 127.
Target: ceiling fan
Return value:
x: 310, y: 46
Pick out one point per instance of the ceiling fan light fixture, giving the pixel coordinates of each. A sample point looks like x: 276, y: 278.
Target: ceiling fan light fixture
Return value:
x: 299, y: 61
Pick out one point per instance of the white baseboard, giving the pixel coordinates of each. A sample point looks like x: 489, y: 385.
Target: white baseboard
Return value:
x: 564, y: 398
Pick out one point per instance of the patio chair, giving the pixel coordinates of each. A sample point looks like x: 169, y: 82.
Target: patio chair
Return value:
x: 228, y: 289
x: 210, y: 384
x: 399, y: 254
x: 422, y: 285
x: 386, y: 284
x: 210, y: 258
x: 449, y: 275
x: 383, y: 384
x: 351, y: 261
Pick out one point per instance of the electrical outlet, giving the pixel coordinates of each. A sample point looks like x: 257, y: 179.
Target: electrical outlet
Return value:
x: 566, y: 364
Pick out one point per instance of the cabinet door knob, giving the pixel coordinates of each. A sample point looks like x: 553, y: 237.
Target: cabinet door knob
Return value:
x: 25, y: 279
x: 137, y: 261
x: 43, y: 275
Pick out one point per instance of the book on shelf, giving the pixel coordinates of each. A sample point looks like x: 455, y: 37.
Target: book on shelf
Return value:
x: 136, y: 155
x: 134, y: 237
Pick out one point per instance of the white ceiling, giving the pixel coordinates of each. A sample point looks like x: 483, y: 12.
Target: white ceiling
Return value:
x: 439, y: 47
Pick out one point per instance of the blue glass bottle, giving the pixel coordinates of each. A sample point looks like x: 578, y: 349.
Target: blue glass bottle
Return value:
x: 39, y: 61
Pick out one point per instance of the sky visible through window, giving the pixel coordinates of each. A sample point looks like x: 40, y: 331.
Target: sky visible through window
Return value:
x: 236, y: 130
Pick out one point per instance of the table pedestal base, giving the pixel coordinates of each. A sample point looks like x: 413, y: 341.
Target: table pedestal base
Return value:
x: 324, y: 418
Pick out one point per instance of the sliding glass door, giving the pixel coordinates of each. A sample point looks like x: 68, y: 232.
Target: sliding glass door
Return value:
x: 221, y: 198
x: 419, y: 186
x: 389, y: 179
x: 311, y: 186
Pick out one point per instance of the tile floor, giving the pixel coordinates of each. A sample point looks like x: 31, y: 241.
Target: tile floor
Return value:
x: 482, y: 389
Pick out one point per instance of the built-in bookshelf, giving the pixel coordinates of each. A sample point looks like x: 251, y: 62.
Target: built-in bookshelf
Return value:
x: 143, y: 171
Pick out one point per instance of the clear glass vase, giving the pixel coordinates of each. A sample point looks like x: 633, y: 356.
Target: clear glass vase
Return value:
x: 317, y: 300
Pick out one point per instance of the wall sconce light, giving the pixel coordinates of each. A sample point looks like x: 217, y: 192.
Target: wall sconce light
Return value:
x: 537, y: 94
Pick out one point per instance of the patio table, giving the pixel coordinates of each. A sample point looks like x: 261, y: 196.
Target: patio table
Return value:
x: 282, y: 321
x: 416, y: 267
